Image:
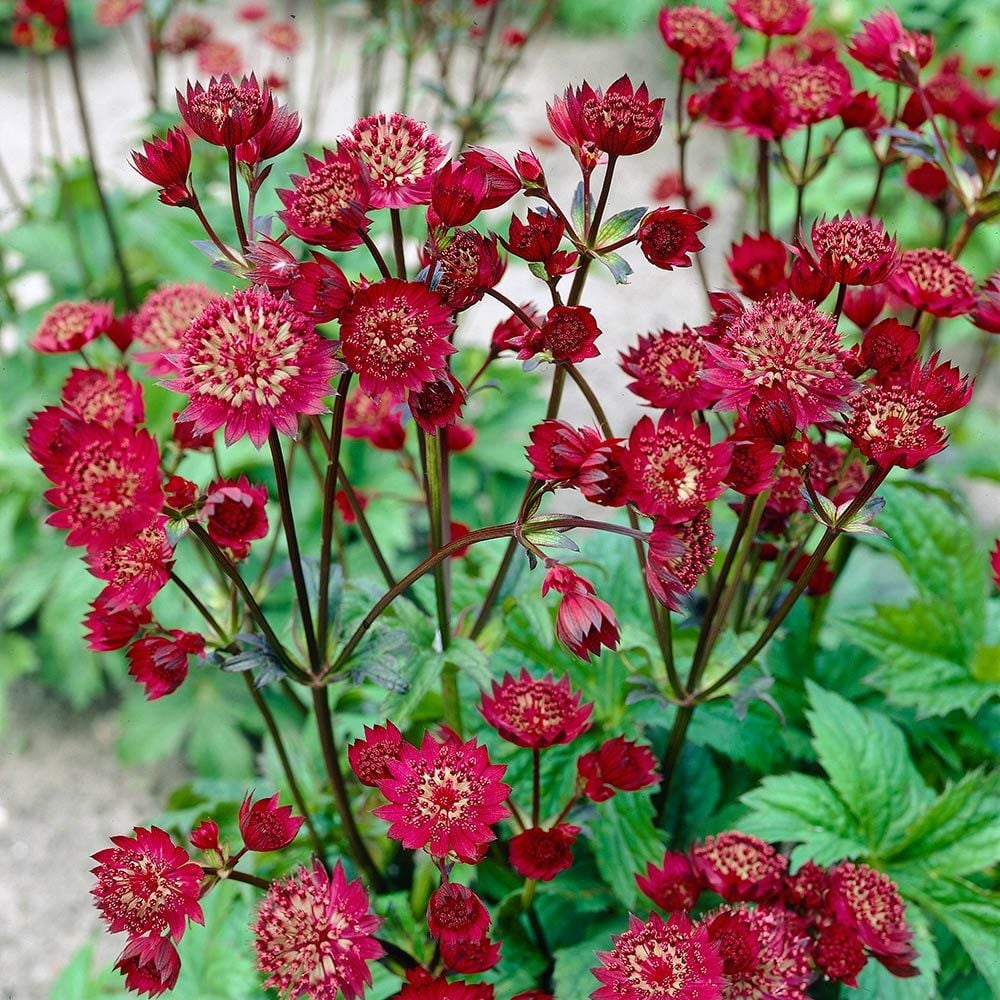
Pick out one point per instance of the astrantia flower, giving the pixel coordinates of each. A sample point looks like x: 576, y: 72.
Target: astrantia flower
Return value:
x: 162, y: 320
x: 314, y: 935
x: 470, y: 956
x: 186, y: 33
x: 839, y: 952
x: 536, y: 713
x: 814, y: 91
x: 458, y: 194
x: 995, y: 563
x: 569, y: 334
x: 584, y: 623
x: 867, y: 900
x: 538, y: 238
x: 758, y: 265
x: 673, y: 885
x: 701, y: 38
x: 679, y: 555
x: 882, y: 44
x: 806, y: 890
x: 666, y: 237
x: 235, y: 514
x: 558, y: 450
x: 772, y: 17
x: 394, y: 334
x: 986, y: 314
x: 660, y: 961
x: 279, y: 134
x: 502, y: 181
x: 887, y: 347
x: 673, y: 467
x: 622, y: 120
x: 931, y: 279
x: 752, y: 469
x: 147, y: 884
x: 135, y: 570
x: 378, y: 421
x: 166, y: 163
x: 217, y: 57
x: 160, y: 662
x: 320, y: 289
x: 226, y: 113
x: 782, y: 341
x: 252, y: 363
x: 421, y: 985
x: 852, y: 251
x: 150, y: 965
x: 110, y: 629
x: 864, y: 304
x: 739, y: 867
x: 566, y: 120
x: 205, y: 836
x: 108, y: 486
x: 444, y: 797
x: 437, y: 404
x: 542, y: 854
x: 456, y: 913
x: 101, y: 397
x: 267, y: 826
x: 400, y: 156
x: 328, y: 205
x: 282, y: 36
x: 368, y: 755
x: 667, y: 369
x: 617, y: 765
x: 68, y: 326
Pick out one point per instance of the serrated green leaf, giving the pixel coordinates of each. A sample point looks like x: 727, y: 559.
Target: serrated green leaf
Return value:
x: 625, y: 840
x: 619, y: 226
x: 572, y: 976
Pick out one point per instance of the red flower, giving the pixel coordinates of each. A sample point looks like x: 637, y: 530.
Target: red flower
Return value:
x: 315, y: 935
x: 252, y: 363
x: 217, y: 57
x: 584, y: 623
x: 868, y: 901
x: 739, y: 867
x: 536, y: 713
x: 511, y: 333
x: 772, y: 17
x: 887, y: 347
x: 456, y: 913
x: 986, y: 314
x: 679, y: 555
x: 166, y: 163
x: 701, y: 38
x: 394, y: 334
x: 437, y: 404
x: 266, y: 826
x: 470, y: 956
x: 225, y: 113
x: 368, y: 755
x: 558, y: 450
x: 782, y: 341
x: 400, y: 156
x: 758, y: 265
x: 462, y: 266
x: 814, y: 91
x: 864, y: 304
x: 806, y: 890
x: 995, y: 563
x: 205, y: 836
x: 282, y: 36
x: 235, y: 514
x: 101, y: 397
x: 147, y: 884
x: 187, y: 32
x: 862, y: 111
x: 542, y: 854
x: 667, y: 238
x: 279, y: 135
x: 272, y: 264
x: 852, y: 251
x: 160, y: 662
x: 928, y: 180
x: 379, y: 421
x: 566, y: 120
x: 113, y: 629
x: 673, y: 467
x: 444, y: 797
x: 660, y: 961
x: 252, y: 11
x: 667, y: 368
x: 458, y: 194
x: 538, y: 238
x: 839, y: 952
x: 135, y: 570
x: 328, y: 205
x: 672, y: 886
x: 622, y: 120
x: 68, y: 326
x: 883, y: 45
x: 502, y: 181
x: 930, y: 279
x: 617, y: 765
x: 568, y: 334
x: 753, y: 466
x: 320, y: 290
x: 420, y: 985
x: 163, y: 319
x: 150, y: 965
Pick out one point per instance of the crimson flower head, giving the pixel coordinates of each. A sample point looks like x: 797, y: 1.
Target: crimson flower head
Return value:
x: 660, y: 960
x: 68, y: 326
x: 394, y: 334
x: 252, y: 363
x: 739, y: 867
x: 320, y: 289
x: 163, y: 319
x: 995, y: 563
x: 444, y: 797
x: 160, y: 662
x: 166, y: 163
x: 226, y: 113
x: 315, y: 935
x: 437, y: 404
x: 667, y: 237
x: 704, y: 42
x: 666, y: 367
x: 271, y: 263
x: 887, y: 347
x: 932, y: 280
x: 378, y: 421
x: 814, y: 91
x: 781, y: 341
x: 150, y: 965
x: 459, y: 192
x: 622, y: 120
x: 772, y: 17
x: 569, y: 334
x: 456, y: 913
x: 808, y: 284
x: 113, y: 629
x: 235, y: 514
x: 538, y: 238
x: 536, y: 713
x: 462, y: 265
x: 673, y: 885
x: 679, y: 555
x: 852, y: 251
x: 542, y: 854
x: 758, y: 265
x: 986, y: 314
x: 135, y: 570
x: 217, y: 57
x: 421, y: 985
x: 558, y: 450
x: 566, y: 120
x: 101, y: 397
x: 187, y: 33
x: 470, y: 956
x: 147, y: 885
x: 883, y: 46
x: 839, y: 952
x: 864, y: 304
x: 327, y: 206
x: 584, y: 623
x: 279, y: 134
x: 368, y: 755
x: 205, y: 836
x: 502, y: 181
x: 266, y: 826
x: 673, y: 467
x: 618, y: 765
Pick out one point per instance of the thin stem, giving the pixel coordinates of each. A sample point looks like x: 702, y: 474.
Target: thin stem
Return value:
x: 331, y: 759
x: 286, y: 764
x: 580, y: 278
x: 376, y: 254
x: 800, y: 183
x: 513, y: 307
x: 244, y: 877
x: 536, y: 785
x: 234, y: 197
x: 883, y: 162
x: 398, y: 246
x: 763, y: 187
x: 212, y: 234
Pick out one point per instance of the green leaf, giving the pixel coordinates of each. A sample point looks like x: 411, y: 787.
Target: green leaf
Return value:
x: 572, y: 977
x: 624, y: 841
x: 619, y: 226
x: 619, y: 267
